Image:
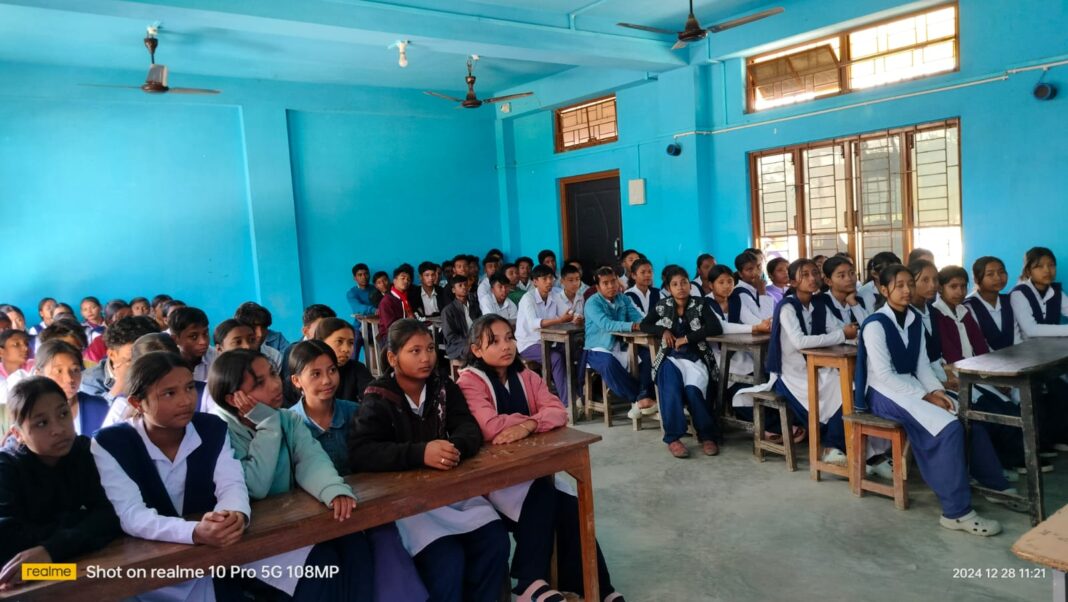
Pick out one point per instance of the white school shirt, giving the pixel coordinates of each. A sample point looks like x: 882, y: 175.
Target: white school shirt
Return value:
x: 644, y: 301
x: 575, y: 306
x: 995, y: 314
x: 201, y: 370
x: 906, y: 390
x: 741, y: 363
x: 430, y: 302
x: 138, y: 520
x: 857, y: 312
x: 526, y: 287
x: 754, y: 312
x: 532, y: 310
x: 1021, y: 310
x: 695, y: 289
x: 273, y: 355
x: 937, y: 365
x: 867, y: 291
x: 507, y: 310
x: 484, y: 292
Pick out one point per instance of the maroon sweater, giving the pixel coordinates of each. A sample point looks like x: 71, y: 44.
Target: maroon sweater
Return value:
x: 950, y: 336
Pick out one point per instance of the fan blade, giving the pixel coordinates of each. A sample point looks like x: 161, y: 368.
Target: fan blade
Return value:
x: 509, y: 97
x: 193, y: 91
x: 744, y: 20
x: 679, y: 44
x: 647, y: 28
x: 443, y: 96
x: 111, y: 86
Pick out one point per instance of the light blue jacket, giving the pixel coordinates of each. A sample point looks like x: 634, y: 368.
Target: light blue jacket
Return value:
x: 603, y: 317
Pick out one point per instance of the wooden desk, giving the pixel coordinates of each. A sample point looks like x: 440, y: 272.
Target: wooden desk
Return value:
x: 1047, y: 545
x: 729, y: 344
x: 369, y: 330
x: 844, y: 358
x: 571, y: 335
x: 1024, y: 367
x: 295, y: 519
x: 634, y: 339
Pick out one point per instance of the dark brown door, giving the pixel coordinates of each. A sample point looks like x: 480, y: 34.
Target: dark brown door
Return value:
x: 593, y: 226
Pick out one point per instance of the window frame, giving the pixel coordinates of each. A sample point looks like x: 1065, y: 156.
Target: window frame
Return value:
x: 845, y: 61
x: 558, y: 138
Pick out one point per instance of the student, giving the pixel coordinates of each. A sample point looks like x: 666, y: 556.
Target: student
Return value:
x: 547, y: 258
x: 14, y: 352
x: 62, y: 363
x: 44, y: 310
x: 523, y: 266
x: 490, y: 264
x: 170, y: 306
x: 121, y: 409
x: 92, y: 314
x: 801, y: 324
x: 116, y: 309
x: 960, y: 338
x: 749, y: 302
x: 5, y: 322
x: 52, y: 507
x: 64, y: 329
x: 15, y: 315
x: 353, y: 375
x: 843, y: 303
x: 232, y: 334
x: 778, y: 278
x: 168, y: 462
x: 459, y: 265
x: 189, y: 328
x: 644, y: 295
x: 139, y: 307
x: 606, y: 312
x: 511, y: 403
x: 511, y: 273
x: 315, y: 376
x: 918, y: 254
x: 395, y: 305
x: 820, y: 260
x: 925, y: 288
x: 992, y: 310
x: 310, y: 318
x: 158, y: 310
x: 700, y: 285
x: 271, y: 343
x: 498, y: 302
x: 895, y: 380
x: 277, y: 453
x: 542, y: 308
x: 359, y: 296
x: 446, y: 273
x: 869, y: 291
x: 108, y: 378
x: 568, y: 294
x: 63, y: 310
x: 413, y: 418
x: 685, y: 368
x: 381, y: 288
x: 430, y: 299
x: 456, y: 319
x: 472, y: 274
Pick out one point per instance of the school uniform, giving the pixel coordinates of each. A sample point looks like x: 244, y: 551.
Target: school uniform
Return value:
x: 542, y: 512
x: 456, y: 321
x: 460, y: 550
x: 91, y: 413
x: 1039, y: 315
x: 203, y: 367
x: 120, y: 409
x: 97, y: 351
x: 575, y: 306
x: 484, y: 290
x: 869, y: 292
x: 151, y: 493
x: 93, y: 331
x: 532, y: 310
x: 996, y: 321
x: 645, y: 301
x: 273, y: 355
x: 99, y: 380
x: 506, y: 310
x: 741, y: 364
x: 932, y: 342
x: 61, y: 507
x: 843, y: 313
x: 524, y: 286
x: 697, y: 288
x: 797, y: 326
x: 745, y: 306
x: 427, y: 304
x: 893, y: 375
x: 277, y: 341
x: 775, y: 293
x: 685, y: 376
x: 334, y: 438
x: 390, y: 309
x: 608, y: 355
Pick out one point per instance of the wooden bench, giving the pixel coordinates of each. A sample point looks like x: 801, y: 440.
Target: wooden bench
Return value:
x: 295, y: 519
x: 597, y: 399
x: 844, y: 359
x: 870, y: 425
x: 773, y: 401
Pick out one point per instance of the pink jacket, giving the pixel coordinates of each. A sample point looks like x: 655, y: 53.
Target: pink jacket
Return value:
x: 545, y: 408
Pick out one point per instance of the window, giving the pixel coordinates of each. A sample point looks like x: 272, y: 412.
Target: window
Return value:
x: 586, y: 124
x: 888, y: 191
x: 904, y: 48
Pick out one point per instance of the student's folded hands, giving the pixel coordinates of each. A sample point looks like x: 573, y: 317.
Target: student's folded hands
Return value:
x: 11, y: 574
x: 441, y: 455
x: 220, y: 528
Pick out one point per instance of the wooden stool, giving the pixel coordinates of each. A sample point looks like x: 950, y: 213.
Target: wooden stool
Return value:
x: 595, y: 403
x: 773, y: 401
x: 870, y: 425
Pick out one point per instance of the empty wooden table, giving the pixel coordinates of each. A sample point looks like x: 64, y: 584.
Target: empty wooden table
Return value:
x: 844, y: 359
x: 1047, y: 545
x: 1024, y: 367
x: 572, y: 336
x: 292, y: 520
x: 730, y: 344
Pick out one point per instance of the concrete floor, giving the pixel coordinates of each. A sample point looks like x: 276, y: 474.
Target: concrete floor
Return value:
x: 730, y: 528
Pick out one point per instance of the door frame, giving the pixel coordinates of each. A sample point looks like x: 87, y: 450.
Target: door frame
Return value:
x: 565, y: 228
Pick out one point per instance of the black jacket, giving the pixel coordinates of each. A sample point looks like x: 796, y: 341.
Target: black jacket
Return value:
x: 386, y: 435
x: 62, y: 507
x: 454, y: 327
x: 415, y: 299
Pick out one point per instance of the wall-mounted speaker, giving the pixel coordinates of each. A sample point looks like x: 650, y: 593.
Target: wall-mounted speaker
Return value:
x: 1045, y: 91
x: 674, y: 150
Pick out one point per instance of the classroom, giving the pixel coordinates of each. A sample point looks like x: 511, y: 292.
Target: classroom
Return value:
x: 644, y: 262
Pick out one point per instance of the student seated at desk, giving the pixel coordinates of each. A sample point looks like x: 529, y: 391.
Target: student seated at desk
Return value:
x: 395, y: 304
x: 582, y: 287
x: 749, y: 302
x: 643, y: 293
x: 523, y: 266
x: 413, y: 418
x: 354, y: 376
x: 801, y: 324
x: 607, y: 311
x: 498, y: 302
x: 542, y: 308
x: 139, y: 307
x: 44, y: 310
x: 457, y: 317
x: 700, y: 286
x: 925, y: 276
x: 270, y: 343
x: 685, y: 367
x: 107, y: 378
x: 114, y: 311
x: 511, y: 403
x: 380, y: 282
x: 627, y: 259
x: 52, y: 507
x: 14, y: 353
x: 992, y: 310
x: 168, y: 462
x: 429, y: 299
x: 62, y: 363
x: 93, y: 315
x: 869, y: 291
x: 778, y: 278
x: 844, y: 306
x: 277, y: 452
x: 359, y: 300
x: 188, y: 326
x: 896, y: 381
x: 158, y: 313
x: 491, y: 264
x: 568, y: 294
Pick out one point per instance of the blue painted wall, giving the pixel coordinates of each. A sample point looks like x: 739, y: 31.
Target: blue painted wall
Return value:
x: 269, y: 191
x: 1011, y: 152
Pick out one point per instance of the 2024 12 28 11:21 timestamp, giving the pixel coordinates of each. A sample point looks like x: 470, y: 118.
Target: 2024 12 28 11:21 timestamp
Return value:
x: 999, y: 573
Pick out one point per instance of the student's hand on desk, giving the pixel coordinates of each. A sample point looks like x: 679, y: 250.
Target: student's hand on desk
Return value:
x: 441, y: 454
x: 343, y: 506
x: 668, y: 339
x: 515, y: 433
x: 763, y: 328
x: 219, y: 529
x: 850, y: 331
x: 11, y: 574
x: 940, y: 399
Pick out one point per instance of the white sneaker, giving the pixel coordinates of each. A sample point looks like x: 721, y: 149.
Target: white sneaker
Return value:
x: 649, y: 411
x: 1011, y: 476
x: 883, y: 470
x: 634, y: 412
x: 835, y: 456
x: 1014, y: 505
x: 972, y: 523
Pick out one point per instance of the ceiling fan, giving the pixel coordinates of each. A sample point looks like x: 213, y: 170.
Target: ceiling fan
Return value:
x: 693, y: 32
x: 471, y: 101
x: 156, y: 82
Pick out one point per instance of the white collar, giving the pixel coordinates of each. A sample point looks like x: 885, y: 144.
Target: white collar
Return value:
x: 190, y: 441
x: 910, y: 317
x: 417, y: 407
x: 1041, y: 298
x: 997, y: 301
x: 956, y: 314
